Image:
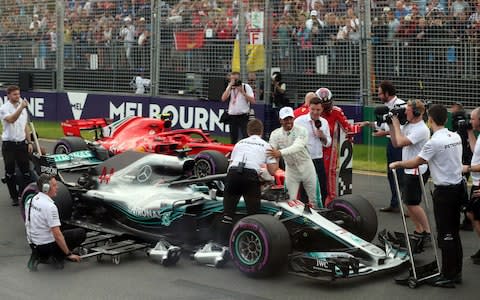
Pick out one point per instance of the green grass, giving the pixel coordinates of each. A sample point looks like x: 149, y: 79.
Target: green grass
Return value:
x: 365, y: 157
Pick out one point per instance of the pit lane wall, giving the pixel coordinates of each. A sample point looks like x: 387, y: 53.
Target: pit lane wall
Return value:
x: 187, y: 113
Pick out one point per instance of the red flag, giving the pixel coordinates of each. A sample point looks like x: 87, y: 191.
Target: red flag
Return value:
x: 186, y: 40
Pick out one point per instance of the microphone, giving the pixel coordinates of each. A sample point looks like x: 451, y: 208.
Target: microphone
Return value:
x: 318, y: 124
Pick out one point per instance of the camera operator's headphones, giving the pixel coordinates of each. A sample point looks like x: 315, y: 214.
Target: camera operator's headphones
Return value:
x: 43, y: 183
x: 415, y: 110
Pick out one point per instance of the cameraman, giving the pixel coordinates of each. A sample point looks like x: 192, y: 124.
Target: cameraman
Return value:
x: 460, y: 124
x: 443, y: 152
x: 387, y: 94
x: 473, y: 207
x: 279, y: 90
x: 240, y: 96
x: 411, y: 138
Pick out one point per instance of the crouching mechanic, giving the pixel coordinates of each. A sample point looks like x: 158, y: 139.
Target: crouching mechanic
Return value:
x: 42, y: 223
x: 248, y: 156
x: 290, y: 142
x: 411, y: 139
x: 443, y: 153
x: 473, y: 207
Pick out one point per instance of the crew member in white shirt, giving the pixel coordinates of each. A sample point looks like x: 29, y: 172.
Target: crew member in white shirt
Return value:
x: 248, y: 157
x: 387, y: 93
x: 411, y: 138
x: 473, y: 207
x: 42, y: 224
x: 318, y: 137
x: 16, y: 142
x: 443, y: 153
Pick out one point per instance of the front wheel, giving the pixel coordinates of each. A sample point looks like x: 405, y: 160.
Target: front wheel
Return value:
x: 357, y: 214
x: 259, y: 245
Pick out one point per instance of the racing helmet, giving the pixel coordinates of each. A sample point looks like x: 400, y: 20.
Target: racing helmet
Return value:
x: 325, y: 96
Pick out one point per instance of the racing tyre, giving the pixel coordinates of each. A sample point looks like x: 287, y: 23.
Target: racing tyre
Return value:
x: 69, y: 144
x: 259, y: 245
x: 63, y: 200
x: 358, y: 215
x: 210, y: 162
x: 28, y: 193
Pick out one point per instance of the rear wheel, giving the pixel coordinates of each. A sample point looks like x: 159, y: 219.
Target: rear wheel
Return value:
x: 28, y: 193
x: 63, y: 200
x: 69, y: 144
x: 357, y: 215
x: 259, y: 245
x: 210, y: 162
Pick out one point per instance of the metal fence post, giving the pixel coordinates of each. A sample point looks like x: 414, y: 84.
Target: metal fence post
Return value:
x: 267, y: 41
x: 365, y: 52
x: 60, y: 10
x: 155, y: 47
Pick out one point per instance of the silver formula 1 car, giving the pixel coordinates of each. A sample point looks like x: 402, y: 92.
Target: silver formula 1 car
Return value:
x: 153, y: 197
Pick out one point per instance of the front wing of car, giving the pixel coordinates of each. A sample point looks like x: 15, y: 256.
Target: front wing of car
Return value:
x: 359, y: 257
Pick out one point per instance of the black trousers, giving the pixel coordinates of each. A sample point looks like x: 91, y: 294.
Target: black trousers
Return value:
x: 73, y: 237
x: 238, y: 123
x: 237, y: 184
x: 446, y: 207
x: 16, y: 154
x: 394, y: 154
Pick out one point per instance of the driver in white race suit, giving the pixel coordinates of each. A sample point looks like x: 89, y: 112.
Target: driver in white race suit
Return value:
x: 290, y: 142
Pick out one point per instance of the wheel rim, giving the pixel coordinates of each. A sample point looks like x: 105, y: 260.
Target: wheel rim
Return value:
x: 248, y: 247
x: 61, y: 149
x: 202, y: 168
x: 27, y: 198
x: 349, y: 222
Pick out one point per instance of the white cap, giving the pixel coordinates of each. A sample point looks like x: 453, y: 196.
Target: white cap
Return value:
x: 313, y: 13
x: 408, y: 18
x: 286, y: 112
x: 127, y: 19
x: 142, y: 19
x: 386, y: 9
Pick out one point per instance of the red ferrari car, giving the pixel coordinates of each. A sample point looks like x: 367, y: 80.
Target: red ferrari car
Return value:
x: 146, y: 135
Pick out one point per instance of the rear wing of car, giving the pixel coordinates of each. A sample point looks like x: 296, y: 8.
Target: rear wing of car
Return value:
x: 54, y: 163
x: 74, y: 127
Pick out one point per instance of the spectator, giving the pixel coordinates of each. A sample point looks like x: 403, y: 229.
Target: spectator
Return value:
x: 128, y: 35
x: 240, y: 96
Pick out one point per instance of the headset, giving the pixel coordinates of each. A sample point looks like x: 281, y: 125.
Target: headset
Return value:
x: 43, y: 183
x: 415, y: 109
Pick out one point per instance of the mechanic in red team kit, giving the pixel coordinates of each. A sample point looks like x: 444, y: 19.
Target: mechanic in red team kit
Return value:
x: 305, y: 107
x: 334, y: 115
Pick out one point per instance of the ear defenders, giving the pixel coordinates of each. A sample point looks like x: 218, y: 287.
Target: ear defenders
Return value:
x: 45, y: 187
x: 416, y: 112
x: 43, y: 183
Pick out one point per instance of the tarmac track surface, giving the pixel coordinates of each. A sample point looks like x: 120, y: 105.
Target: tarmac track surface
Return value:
x: 137, y: 277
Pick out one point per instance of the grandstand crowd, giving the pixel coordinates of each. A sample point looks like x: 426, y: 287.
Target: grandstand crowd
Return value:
x: 95, y: 26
